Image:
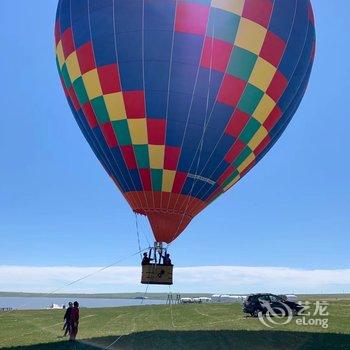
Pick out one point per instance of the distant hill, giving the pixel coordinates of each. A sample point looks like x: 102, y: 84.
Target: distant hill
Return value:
x: 155, y: 296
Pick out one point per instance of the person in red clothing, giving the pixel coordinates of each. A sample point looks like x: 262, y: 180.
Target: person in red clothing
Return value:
x: 74, y: 321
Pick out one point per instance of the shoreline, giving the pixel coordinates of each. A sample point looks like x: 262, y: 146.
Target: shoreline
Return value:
x: 132, y: 295
x: 154, y: 296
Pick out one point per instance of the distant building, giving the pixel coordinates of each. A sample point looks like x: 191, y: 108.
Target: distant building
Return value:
x: 227, y: 298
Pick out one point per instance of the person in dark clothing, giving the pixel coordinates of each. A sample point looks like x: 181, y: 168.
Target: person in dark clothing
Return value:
x: 146, y: 260
x: 66, y: 319
x: 167, y: 260
x: 74, y: 321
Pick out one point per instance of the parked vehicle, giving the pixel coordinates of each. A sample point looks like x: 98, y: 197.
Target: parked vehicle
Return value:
x: 262, y: 303
x: 186, y: 300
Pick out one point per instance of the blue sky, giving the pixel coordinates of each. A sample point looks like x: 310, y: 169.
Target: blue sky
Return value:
x: 291, y: 210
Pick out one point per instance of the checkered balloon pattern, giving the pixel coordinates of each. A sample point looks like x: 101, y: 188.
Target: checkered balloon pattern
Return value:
x: 179, y: 99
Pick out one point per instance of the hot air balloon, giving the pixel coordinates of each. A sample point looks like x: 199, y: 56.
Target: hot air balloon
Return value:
x: 179, y: 99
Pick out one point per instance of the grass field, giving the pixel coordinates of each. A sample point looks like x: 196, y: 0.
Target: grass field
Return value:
x: 192, y: 327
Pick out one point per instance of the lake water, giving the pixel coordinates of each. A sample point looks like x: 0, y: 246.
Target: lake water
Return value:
x: 29, y: 303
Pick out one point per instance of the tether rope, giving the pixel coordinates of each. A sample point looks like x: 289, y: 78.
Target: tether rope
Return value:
x: 80, y: 279
x: 74, y: 282
x: 214, y: 318
x: 134, y: 329
x: 138, y: 234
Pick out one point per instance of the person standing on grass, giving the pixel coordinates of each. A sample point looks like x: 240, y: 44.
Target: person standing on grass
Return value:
x: 66, y: 319
x: 74, y: 321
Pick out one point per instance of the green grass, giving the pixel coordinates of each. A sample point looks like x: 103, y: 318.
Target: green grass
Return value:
x: 211, y: 326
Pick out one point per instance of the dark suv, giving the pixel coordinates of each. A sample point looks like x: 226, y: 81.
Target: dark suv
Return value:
x: 263, y: 303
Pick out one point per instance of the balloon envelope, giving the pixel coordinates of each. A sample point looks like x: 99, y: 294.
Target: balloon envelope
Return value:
x: 180, y: 99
